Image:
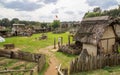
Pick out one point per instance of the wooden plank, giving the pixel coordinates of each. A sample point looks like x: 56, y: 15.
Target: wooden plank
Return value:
x: 108, y: 38
x: 59, y: 70
x: 22, y: 70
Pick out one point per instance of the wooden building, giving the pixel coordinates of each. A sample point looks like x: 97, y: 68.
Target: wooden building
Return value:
x: 98, y: 35
x: 18, y: 29
x: 4, y: 32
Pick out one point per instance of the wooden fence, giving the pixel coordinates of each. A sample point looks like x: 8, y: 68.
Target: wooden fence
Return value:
x: 32, y: 71
x: 26, y: 56
x: 15, y: 72
x: 59, y: 70
x: 87, y: 63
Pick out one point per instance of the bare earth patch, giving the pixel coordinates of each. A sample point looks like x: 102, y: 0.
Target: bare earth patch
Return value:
x: 53, y: 62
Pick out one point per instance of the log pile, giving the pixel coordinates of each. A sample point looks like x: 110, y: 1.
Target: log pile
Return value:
x: 72, y: 49
x: 43, y: 36
x: 9, y: 46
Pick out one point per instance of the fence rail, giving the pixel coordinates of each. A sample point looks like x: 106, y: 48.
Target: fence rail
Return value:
x: 8, y: 71
x: 59, y: 70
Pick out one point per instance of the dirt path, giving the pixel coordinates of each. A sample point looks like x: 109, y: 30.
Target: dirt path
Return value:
x: 53, y: 62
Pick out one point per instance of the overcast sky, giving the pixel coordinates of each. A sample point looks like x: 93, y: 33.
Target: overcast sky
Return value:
x: 45, y: 10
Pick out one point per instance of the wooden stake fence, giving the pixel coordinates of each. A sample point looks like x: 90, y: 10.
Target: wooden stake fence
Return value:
x: 94, y: 62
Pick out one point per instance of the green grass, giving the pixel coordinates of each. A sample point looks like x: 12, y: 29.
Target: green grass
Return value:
x: 45, y: 66
x: 64, y: 59
x: 30, y: 44
x: 44, y: 69
x: 9, y: 62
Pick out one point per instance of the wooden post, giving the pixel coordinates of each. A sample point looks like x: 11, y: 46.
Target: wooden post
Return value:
x: 107, y: 46
x: 11, y: 74
x: 69, y: 40
x: 31, y: 72
x: 61, y: 41
x: 38, y: 63
x: 54, y: 43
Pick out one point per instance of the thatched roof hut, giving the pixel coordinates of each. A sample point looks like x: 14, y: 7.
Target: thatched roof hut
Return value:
x: 93, y: 30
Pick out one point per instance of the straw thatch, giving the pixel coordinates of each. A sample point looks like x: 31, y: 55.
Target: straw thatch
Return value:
x: 92, y: 29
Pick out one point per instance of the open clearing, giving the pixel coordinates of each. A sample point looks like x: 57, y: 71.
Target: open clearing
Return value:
x: 31, y: 44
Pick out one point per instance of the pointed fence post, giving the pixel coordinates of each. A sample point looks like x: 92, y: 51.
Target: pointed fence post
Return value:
x: 61, y: 41
x: 54, y: 43
x: 68, y: 40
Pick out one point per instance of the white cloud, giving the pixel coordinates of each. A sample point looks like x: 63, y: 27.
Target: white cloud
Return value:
x: 77, y: 8
x: 105, y: 4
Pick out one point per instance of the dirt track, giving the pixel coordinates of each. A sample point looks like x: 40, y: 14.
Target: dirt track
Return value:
x: 53, y: 62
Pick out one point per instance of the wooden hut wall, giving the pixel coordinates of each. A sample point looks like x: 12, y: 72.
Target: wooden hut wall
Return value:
x: 108, y: 40
x: 92, y: 49
x: 117, y: 29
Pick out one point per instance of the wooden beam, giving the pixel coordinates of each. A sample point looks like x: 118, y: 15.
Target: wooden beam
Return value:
x: 54, y: 43
x: 107, y: 44
x: 9, y: 71
x: 69, y: 40
x: 107, y: 38
x: 59, y: 70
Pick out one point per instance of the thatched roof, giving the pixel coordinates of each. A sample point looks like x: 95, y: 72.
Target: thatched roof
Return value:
x: 18, y: 24
x: 102, y: 18
x: 91, y: 29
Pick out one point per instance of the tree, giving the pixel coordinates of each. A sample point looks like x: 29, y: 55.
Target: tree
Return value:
x: 14, y: 20
x: 44, y: 25
x: 119, y: 6
x: 5, y: 22
x: 0, y: 22
x: 56, y: 24
x: 92, y: 14
x: 24, y: 22
x: 97, y: 9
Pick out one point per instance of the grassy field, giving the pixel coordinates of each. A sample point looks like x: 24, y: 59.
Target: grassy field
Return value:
x: 64, y: 59
x: 30, y: 44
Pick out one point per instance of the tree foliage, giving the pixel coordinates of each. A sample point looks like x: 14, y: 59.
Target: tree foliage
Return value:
x: 98, y: 12
x: 5, y: 22
x: 92, y: 14
x: 44, y: 25
x: 97, y: 9
x: 14, y: 20
x: 56, y: 24
x: 8, y: 23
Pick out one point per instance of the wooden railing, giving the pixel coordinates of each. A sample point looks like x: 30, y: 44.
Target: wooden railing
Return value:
x: 59, y: 70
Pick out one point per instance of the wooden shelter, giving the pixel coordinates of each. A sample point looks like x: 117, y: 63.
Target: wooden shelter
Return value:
x: 98, y: 35
x: 18, y: 29
x: 22, y: 30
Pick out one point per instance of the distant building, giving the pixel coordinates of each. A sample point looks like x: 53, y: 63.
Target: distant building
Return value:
x: 18, y: 29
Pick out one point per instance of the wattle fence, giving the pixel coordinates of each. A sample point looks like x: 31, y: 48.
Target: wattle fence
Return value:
x: 25, y: 56
x: 88, y: 63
